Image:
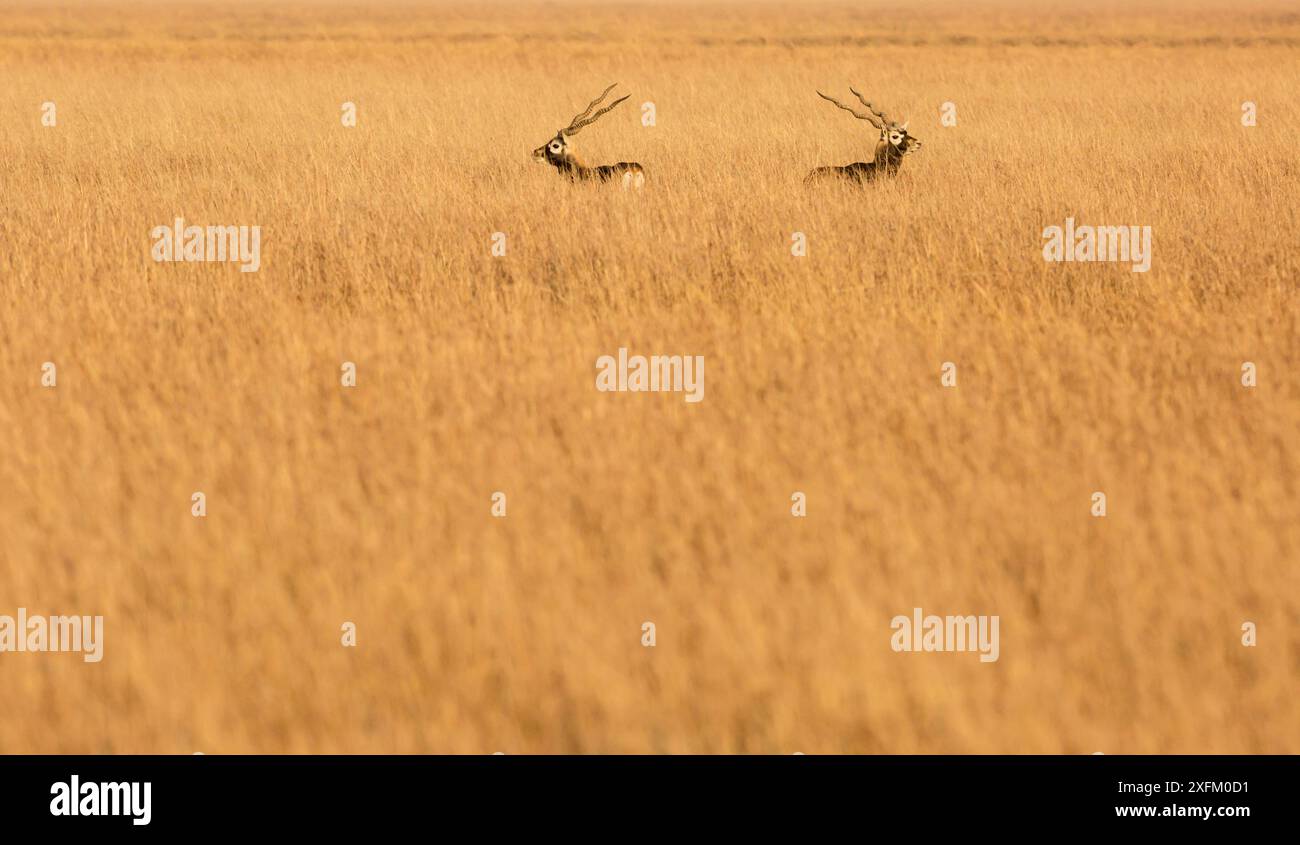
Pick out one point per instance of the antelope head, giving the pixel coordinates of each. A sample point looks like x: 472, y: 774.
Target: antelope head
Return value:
x: 892, y: 132
x: 556, y: 150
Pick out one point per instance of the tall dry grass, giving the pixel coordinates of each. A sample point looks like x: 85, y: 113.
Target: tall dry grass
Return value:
x: 476, y: 374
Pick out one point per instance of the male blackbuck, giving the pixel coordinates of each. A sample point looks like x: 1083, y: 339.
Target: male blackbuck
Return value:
x: 894, y: 143
x: 556, y: 152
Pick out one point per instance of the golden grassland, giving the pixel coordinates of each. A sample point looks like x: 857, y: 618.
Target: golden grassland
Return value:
x: 476, y: 374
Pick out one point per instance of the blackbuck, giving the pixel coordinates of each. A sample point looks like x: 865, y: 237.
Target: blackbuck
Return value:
x: 556, y: 152
x: 893, y: 145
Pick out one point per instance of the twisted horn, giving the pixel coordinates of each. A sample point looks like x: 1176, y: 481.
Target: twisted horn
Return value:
x: 861, y: 99
x: 586, y: 118
x: 859, y: 115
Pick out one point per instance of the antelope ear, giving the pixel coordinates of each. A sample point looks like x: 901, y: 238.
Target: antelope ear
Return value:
x: 904, y: 126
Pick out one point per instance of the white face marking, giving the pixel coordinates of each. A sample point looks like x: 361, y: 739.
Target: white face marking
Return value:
x: 895, y: 137
x: 556, y: 147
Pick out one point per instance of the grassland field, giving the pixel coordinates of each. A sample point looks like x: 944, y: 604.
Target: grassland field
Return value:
x: 523, y: 634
